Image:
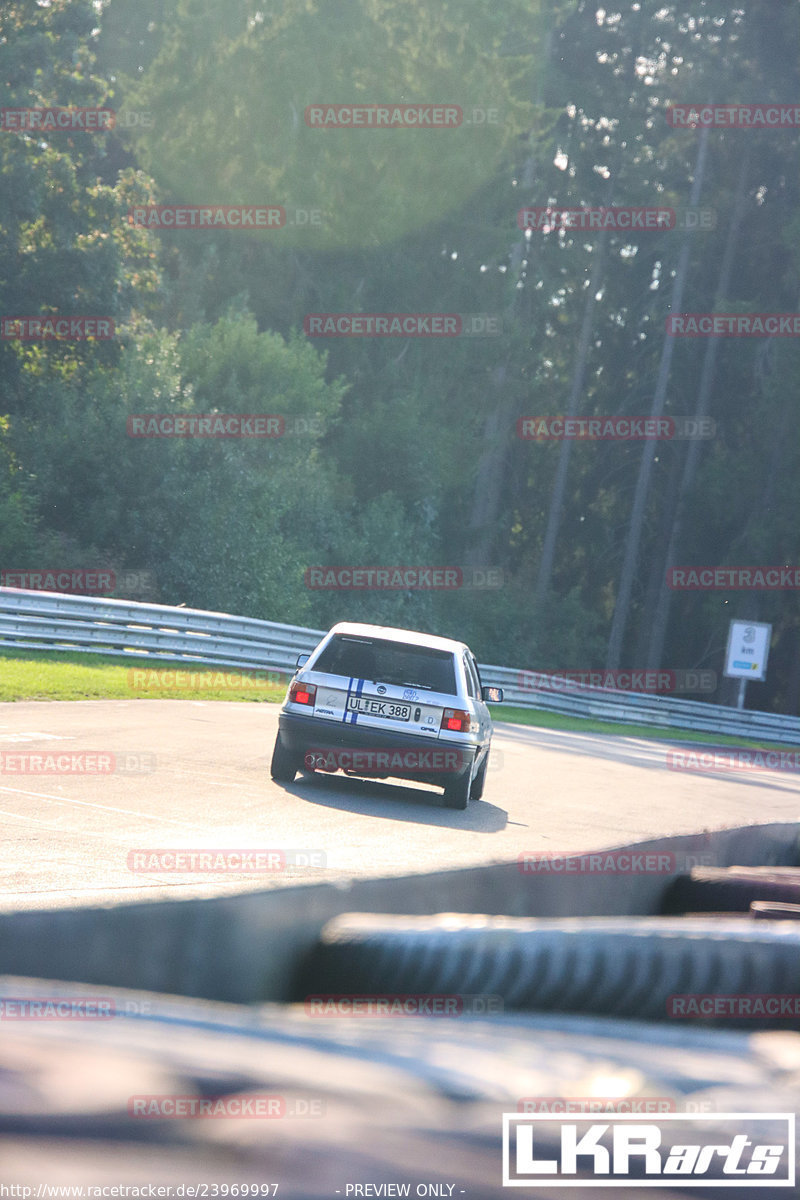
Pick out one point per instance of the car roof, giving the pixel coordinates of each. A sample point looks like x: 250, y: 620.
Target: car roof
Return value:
x: 409, y: 636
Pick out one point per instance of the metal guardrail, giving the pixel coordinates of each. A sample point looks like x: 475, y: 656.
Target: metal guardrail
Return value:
x: 57, y: 621
x: 641, y: 708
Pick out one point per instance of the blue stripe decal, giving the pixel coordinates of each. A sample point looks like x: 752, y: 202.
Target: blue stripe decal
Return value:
x: 352, y: 717
x: 359, y: 690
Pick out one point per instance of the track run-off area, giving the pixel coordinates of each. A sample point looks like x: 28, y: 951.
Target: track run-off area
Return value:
x: 193, y: 776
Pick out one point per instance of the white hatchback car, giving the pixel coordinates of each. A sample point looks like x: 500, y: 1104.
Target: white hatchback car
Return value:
x: 380, y: 702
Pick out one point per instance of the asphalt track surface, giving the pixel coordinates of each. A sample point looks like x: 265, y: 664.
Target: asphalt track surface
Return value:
x: 193, y: 776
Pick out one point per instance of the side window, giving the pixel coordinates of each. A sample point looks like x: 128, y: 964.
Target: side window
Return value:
x: 472, y: 684
x: 476, y: 673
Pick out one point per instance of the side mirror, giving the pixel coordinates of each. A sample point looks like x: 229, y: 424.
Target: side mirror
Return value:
x: 302, y: 659
x: 492, y: 695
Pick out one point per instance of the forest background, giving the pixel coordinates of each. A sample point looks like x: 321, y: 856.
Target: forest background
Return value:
x: 405, y: 451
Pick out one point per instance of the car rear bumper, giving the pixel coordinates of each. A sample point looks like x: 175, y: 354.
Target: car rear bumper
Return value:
x: 365, y: 750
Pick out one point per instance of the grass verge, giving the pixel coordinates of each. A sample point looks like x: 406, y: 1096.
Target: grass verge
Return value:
x: 550, y: 720
x: 49, y: 675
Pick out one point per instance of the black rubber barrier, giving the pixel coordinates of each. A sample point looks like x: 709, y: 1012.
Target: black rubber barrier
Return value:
x: 731, y: 889
x: 314, y: 1105
x: 246, y: 947
x: 764, y: 910
x: 648, y: 968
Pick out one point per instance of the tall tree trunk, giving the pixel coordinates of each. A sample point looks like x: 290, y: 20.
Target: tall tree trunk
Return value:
x: 793, y: 682
x: 656, y: 573
x: 628, y: 574
x: 750, y: 606
x: 660, y: 621
x: 499, y: 421
x: 555, y: 512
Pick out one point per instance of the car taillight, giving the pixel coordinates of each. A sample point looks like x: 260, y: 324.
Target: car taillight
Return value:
x: 303, y: 693
x: 456, y: 720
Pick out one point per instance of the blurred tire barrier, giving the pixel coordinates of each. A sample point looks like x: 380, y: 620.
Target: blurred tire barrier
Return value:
x: 246, y: 947
x: 630, y: 967
x: 763, y: 910
x: 731, y: 889
x: 416, y: 1101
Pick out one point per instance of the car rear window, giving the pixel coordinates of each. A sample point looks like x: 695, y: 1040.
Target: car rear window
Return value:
x: 389, y: 662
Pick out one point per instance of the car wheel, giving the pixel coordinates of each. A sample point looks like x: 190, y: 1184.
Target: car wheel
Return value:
x: 285, y: 764
x: 456, y: 794
x: 476, y: 791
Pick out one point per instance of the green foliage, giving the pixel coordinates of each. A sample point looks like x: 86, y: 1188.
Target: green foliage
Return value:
x: 65, y: 247
x: 212, y: 518
x: 410, y: 456
x: 270, y: 64
x: 18, y: 527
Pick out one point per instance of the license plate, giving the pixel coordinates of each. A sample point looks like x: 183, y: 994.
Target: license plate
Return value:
x: 379, y: 708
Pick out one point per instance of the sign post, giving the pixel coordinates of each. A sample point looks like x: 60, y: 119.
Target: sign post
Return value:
x: 747, y: 653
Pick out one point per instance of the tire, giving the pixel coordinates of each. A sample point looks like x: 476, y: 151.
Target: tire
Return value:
x: 457, y: 793
x: 625, y: 967
x: 731, y: 889
x: 285, y: 764
x: 476, y: 791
